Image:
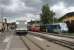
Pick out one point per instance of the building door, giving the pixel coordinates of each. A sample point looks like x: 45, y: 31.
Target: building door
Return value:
x: 70, y: 25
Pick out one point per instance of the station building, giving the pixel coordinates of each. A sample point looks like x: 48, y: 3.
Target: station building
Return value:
x: 69, y: 20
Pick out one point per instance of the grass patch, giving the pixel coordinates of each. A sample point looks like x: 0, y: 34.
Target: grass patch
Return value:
x: 70, y: 34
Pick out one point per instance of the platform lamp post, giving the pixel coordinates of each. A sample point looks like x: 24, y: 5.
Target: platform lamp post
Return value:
x: 5, y: 21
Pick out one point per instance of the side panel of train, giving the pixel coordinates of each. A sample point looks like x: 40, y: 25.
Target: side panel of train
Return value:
x: 57, y: 28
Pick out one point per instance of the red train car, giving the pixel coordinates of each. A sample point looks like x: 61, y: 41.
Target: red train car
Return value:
x: 35, y: 28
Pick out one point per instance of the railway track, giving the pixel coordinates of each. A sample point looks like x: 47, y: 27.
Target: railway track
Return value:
x: 60, y: 42
x: 61, y: 35
x: 32, y: 46
x: 25, y: 43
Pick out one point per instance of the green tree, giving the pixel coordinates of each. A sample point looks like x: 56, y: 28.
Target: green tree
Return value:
x: 46, y: 15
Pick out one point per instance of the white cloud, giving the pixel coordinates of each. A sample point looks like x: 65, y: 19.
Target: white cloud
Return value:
x: 18, y: 6
x: 31, y: 16
x: 14, y: 5
x: 28, y: 17
x: 30, y: 9
x: 60, y: 9
x: 36, y: 1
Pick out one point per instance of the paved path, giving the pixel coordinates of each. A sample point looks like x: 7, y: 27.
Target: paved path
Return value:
x: 5, y: 37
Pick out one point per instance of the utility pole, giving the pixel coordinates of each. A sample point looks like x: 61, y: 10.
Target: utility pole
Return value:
x: 2, y: 14
x: 53, y: 18
x: 2, y: 19
x: 2, y: 36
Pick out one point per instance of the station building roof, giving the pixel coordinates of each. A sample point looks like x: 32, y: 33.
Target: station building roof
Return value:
x: 68, y: 16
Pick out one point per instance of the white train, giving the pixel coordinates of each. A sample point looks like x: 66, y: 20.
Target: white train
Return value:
x: 21, y: 27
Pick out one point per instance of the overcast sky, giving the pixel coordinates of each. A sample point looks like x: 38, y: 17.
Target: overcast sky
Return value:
x: 30, y: 9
